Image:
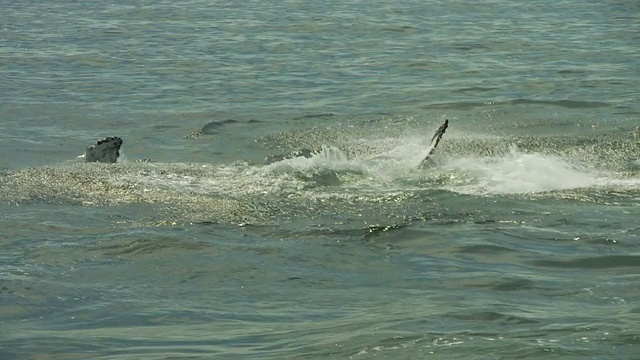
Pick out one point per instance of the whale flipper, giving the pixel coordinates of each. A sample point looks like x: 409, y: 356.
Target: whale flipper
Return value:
x: 434, y: 142
x: 106, y: 150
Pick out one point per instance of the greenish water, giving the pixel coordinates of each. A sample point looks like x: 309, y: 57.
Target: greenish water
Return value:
x: 520, y: 240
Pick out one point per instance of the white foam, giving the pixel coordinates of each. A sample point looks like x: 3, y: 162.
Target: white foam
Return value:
x: 393, y: 170
x: 408, y: 152
x: 517, y: 172
x: 329, y: 158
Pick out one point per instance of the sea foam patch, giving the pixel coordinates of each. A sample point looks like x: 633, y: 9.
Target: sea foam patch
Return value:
x: 518, y: 172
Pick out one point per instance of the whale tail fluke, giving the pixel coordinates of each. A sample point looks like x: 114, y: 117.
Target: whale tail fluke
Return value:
x: 435, y: 140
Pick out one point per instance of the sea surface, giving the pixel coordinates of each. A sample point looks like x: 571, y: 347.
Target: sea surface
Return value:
x: 285, y: 214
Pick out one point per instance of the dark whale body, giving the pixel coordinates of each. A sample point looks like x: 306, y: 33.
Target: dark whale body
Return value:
x: 435, y: 140
x: 106, y: 150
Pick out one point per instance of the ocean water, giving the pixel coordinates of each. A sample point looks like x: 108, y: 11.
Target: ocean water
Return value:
x: 519, y: 240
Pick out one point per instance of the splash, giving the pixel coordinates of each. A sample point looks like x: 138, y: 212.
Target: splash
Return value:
x: 329, y: 157
x: 519, y: 173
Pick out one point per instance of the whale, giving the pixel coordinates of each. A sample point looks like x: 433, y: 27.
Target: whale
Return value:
x: 435, y: 140
x: 107, y: 150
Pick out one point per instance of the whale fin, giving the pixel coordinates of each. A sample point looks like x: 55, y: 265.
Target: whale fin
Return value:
x: 435, y: 140
x: 106, y: 150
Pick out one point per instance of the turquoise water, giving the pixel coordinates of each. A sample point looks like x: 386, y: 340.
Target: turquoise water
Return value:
x: 520, y: 240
